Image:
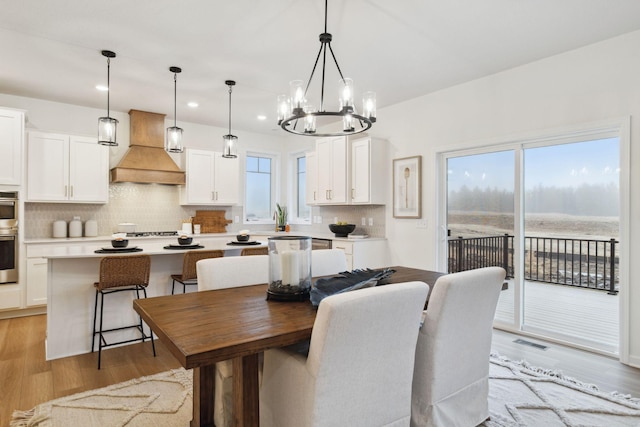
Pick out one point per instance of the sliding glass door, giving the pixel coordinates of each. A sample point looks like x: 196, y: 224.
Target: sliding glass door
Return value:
x: 548, y: 212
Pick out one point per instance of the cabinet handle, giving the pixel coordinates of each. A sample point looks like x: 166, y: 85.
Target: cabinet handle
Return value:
x: 353, y: 193
x: 216, y: 195
x: 314, y: 195
x: 66, y: 190
x: 71, y: 193
x: 213, y: 195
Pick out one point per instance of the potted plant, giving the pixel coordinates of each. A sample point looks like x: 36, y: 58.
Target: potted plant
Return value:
x: 281, y: 217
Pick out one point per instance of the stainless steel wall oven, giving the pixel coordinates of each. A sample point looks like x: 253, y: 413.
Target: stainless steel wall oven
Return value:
x: 8, y: 237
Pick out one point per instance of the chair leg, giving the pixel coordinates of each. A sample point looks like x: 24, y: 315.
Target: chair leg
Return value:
x: 95, y: 315
x: 100, y: 339
x: 153, y: 344
x: 173, y: 284
x: 184, y: 288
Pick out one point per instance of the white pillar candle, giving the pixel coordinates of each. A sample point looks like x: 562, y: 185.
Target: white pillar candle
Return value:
x: 290, y: 264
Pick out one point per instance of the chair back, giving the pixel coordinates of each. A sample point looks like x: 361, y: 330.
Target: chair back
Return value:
x: 361, y: 355
x: 255, y: 251
x: 232, y: 271
x: 125, y: 270
x: 450, y: 385
x: 192, y: 257
x: 325, y: 262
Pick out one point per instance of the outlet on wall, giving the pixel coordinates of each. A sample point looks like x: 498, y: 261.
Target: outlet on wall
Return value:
x: 364, y: 221
x: 236, y: 219
x: 422, y: 223
x: 370, y: 222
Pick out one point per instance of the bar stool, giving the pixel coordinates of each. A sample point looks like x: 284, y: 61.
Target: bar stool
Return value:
x: 255, y: 251
x: 188, y: 276
x: 119, y: 274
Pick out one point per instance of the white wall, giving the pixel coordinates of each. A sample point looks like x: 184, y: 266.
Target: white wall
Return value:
x: 590, y: 84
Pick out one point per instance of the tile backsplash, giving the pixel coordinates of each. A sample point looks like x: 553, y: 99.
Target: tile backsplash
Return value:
x: 156, y: 207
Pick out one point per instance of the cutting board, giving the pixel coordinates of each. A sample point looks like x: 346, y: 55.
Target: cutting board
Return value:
x: 211, y: 221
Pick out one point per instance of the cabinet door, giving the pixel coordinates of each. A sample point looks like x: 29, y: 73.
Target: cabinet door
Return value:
x: 88, y: 170
x: 332, y: 170
x: 36, y: 281
x: 47, y: 167
x: 11, y: 134
x: 226, y: 180
x: 199, y: 182
x: 360, y: 171
x: 311, y: 180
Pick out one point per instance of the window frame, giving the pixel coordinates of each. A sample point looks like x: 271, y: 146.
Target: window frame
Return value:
x: 293, y: 187
x: 275, y: 180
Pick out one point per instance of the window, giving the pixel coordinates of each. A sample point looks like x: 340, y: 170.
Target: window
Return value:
x: 302, y: 212
x: 260, y: 188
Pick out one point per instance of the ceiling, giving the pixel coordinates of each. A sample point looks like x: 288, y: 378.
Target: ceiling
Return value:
x: 400, y: 49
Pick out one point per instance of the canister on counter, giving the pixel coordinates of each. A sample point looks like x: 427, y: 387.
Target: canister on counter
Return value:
x: 60, y: 229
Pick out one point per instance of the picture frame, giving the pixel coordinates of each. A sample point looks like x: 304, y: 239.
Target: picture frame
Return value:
x: 407, y: 187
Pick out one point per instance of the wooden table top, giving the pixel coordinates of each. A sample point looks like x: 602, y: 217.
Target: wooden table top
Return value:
x: 202, y: 328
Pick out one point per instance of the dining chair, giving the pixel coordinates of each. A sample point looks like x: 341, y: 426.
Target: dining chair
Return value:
x: 359, y: 367
x: 189, y: 274
x: 451, y: 374
x: 129, y: 273
x: 255, y: 251
x: 325, y: 262
x: 223, y: 273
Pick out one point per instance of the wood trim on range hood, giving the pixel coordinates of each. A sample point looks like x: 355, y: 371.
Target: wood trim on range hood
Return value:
x: 146, y: 161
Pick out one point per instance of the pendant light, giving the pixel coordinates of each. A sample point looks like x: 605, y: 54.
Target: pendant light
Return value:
x: 230, y: 148
x: 173, y: 143
x: 296, y: 115
x: 107, y: 125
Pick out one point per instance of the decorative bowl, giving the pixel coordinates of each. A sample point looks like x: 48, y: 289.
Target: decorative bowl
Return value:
x: 242, y: 237
x: 184, y: 240
x: 120, y: 243
x: 342, y: 230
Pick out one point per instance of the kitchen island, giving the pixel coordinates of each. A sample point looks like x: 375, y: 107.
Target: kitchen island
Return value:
x: 71, y: 272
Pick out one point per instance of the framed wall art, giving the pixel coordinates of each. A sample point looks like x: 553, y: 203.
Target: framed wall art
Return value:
x: 407, y: 187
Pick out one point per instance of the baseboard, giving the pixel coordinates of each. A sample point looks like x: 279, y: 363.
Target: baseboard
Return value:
x: 23, y: 312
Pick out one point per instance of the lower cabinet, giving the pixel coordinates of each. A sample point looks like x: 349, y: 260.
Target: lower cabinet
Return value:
x: 364, y: 253
x: 9, y: 297
x: 36, y: 281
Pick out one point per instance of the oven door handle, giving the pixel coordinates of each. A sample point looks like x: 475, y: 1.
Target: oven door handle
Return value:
x: 6, y: 234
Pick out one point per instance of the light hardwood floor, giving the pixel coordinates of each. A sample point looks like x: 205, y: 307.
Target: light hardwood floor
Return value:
x: 27, y: 379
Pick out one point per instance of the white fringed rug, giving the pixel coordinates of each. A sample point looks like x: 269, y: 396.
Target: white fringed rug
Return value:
x: 519, y: 395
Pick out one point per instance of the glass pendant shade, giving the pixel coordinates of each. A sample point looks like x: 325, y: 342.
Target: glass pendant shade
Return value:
x: 107, y: 126
x: 173, y: 143
x: 284, y: 108
x: 369, y: 105
x: 309, y: 119
x: 346, y: 94
x: 347, y: 123
x: 230, y: 148
x: 296, y: 89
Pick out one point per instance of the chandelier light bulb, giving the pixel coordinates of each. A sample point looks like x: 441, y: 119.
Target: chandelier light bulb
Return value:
x: 346, y: 94
x: 369, y: 105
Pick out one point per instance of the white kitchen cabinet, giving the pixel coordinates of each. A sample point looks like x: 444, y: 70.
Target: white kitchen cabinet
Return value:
x: 66, y: 168
x: 11, y: 137
x: 364, y: 253
x: 10, y: 296
x: 311, y: 179
x: 36, y: 281
x: 369, y: 171
x: 332, y: 158
x: 211, y: 179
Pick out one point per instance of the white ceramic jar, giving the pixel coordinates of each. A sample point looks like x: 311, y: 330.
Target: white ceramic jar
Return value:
x: 59, y: 229
x: 75, y: 227
x: 91, y: 228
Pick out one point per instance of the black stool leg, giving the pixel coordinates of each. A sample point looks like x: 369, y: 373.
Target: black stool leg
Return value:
x: 100, y: 339
x: 153, y: 344
x: 173, y: 284
x: 95, y: 315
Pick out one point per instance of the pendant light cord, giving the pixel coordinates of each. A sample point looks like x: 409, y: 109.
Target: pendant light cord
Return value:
x: 230, y: 86
x: 108, y: 84
x: 175, y: 99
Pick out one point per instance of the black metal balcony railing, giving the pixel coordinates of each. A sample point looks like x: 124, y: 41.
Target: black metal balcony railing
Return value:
x: 573, y: 262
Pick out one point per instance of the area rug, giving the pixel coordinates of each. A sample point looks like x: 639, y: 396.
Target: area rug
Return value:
x: 158, y: 400
x: 523, y: 395
x: 519, y: 395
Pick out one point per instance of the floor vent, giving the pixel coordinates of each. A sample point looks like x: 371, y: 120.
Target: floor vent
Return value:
x: 532, y: 344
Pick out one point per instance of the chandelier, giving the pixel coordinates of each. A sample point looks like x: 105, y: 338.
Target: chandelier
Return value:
x: 298, y: 116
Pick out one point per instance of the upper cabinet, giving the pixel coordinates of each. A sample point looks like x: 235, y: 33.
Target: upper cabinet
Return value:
x: 66, y: 168
x: 211, y: 179
x: 332, y: 181
x: 344, y: 172
x: 369, y: 171
x: 11, y: 136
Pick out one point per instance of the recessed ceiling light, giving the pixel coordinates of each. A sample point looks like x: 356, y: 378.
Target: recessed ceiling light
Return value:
x: 102, y: 88
x: 192, y: 104
x: 262, y: 117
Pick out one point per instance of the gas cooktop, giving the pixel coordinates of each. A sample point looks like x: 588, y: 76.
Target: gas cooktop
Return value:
x: 152, y: 233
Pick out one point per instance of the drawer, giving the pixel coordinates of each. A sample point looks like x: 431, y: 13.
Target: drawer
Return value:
x: 347, y: 247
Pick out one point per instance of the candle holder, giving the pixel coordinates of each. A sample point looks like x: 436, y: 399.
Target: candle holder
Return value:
x: 289, y: 268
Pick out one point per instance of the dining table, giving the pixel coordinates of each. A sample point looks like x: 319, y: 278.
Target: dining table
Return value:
x: 238, y: 324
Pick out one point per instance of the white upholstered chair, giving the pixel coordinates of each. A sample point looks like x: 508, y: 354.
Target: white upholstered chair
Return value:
x: 325, y: 262
x: 451, y: 375
x: 359, y: 368
x: 221, y: 273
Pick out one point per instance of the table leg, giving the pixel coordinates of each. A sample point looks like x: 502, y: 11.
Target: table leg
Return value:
x: 246, y: 403
x: 203, y: 395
